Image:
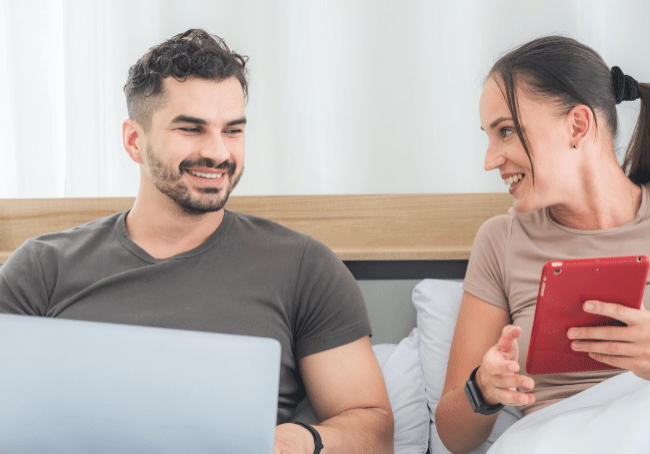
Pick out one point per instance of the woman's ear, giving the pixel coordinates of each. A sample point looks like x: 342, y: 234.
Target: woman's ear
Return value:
x: 134, y: 141
x: 580, y: 120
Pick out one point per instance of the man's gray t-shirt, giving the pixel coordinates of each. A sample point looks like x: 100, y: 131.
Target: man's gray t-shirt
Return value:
x: 252, y: 277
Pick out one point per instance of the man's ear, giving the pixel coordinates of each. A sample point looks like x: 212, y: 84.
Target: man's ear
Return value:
x: 581, y: 124
x: 134, y: 141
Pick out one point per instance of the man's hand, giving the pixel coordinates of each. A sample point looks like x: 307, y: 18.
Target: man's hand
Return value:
x: 293, y: 439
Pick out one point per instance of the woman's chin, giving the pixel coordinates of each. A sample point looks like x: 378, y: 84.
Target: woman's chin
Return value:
x: 522, y: 205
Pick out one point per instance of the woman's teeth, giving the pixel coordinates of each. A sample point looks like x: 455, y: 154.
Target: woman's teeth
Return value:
x: 513, y: 179
x: 205, y: 175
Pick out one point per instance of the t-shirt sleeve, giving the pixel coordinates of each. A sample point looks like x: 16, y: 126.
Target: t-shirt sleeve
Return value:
x: 485, y: 276
x: 23, y: 288
x: 329, y: 308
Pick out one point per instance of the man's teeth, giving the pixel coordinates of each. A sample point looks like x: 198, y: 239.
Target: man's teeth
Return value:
x: 513, y: 179
x: 205, y: 175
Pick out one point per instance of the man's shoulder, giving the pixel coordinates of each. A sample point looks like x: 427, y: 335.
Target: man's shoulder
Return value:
x: 78, y: 234
x: 60, y: 250
x: 256, y: 229
x: 256, y: 225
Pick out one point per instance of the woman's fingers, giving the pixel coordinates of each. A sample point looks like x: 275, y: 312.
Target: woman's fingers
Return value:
x: 625, y: 347
x: 497, y: 377
x: 513, y: 381
x: 508, y: 338
x: 505, y: 390
x: 624, y: 314
x: 497, y: 385
x: 501, y: 367
x: 511, y: 397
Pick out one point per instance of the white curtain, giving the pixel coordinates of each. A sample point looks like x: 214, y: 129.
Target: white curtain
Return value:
x: 346, y: 96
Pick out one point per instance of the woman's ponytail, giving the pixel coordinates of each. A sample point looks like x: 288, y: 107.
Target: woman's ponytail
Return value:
x: 637, y: 157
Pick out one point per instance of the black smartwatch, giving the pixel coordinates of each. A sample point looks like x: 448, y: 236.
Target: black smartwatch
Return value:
x: 318, y: 443
x: 475, y: 397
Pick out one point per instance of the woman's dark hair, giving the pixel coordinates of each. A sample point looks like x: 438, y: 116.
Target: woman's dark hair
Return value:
x: 193, y: 53
x: 568, y: 73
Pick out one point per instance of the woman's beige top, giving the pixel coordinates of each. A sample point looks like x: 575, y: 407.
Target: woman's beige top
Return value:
x: 506, y: 264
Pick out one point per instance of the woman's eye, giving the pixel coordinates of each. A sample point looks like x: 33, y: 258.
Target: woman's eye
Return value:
x: 506, y: 132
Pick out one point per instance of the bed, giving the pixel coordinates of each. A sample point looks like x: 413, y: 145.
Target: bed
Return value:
x: 424, y: 237
x: 378, y: 237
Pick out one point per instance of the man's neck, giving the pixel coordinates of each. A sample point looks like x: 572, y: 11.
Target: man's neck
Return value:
x: 164, y: 230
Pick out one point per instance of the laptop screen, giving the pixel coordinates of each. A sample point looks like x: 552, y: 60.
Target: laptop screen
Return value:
x: 77, y: 387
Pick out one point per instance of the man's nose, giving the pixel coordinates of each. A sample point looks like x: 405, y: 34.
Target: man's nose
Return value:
x: 215, y: 148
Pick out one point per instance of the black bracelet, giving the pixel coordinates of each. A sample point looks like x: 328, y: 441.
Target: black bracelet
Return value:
x: 318, y: 443
x: 475, y: 398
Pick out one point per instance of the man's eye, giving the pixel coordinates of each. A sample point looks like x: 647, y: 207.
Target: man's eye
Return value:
x: 233, y: 131
x: 193, y: 130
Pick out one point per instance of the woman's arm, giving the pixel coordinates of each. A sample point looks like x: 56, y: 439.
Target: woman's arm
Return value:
x: 482, y: 337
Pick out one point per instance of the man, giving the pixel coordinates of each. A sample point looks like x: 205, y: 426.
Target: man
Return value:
x: 177, y: 259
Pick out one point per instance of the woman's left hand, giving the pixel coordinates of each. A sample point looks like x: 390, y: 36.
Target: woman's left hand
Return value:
x: 625, y: 347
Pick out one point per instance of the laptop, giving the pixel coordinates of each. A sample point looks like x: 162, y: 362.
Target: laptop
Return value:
x: 77, y: 387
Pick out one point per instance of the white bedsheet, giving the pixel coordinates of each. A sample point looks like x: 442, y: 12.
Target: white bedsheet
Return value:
x: 610, y: 417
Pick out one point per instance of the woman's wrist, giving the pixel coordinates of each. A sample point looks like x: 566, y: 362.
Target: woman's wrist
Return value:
x: 490, y: 400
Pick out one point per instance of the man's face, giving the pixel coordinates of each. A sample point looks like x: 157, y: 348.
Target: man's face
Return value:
x: 195, y: 146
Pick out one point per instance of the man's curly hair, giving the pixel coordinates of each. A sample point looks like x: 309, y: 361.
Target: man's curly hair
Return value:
x: 194, y: 53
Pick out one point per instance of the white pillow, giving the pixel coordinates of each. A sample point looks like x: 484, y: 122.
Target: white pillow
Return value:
x: 437, y: 303
x: 405, y: 384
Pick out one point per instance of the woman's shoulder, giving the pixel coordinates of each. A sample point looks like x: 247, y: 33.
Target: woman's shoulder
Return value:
x: 498, y: 226
x: 497, y: 232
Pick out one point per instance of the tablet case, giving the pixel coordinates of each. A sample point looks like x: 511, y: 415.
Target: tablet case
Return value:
x: 564, y: 286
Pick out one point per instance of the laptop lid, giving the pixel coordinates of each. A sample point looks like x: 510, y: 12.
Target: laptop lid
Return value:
x: 74, y: 387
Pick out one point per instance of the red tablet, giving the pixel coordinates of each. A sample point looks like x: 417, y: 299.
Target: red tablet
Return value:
x: 563, y: 288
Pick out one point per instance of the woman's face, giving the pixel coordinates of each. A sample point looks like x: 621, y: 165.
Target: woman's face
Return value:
x: 549, y: 137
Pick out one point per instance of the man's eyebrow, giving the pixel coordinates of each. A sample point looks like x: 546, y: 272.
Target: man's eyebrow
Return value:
x: 239, y: 121
x: 188, y: 119
x: 200, y: 121
x: 496, y: 122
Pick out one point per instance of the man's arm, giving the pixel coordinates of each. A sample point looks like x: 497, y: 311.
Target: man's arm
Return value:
x: 346, y: 389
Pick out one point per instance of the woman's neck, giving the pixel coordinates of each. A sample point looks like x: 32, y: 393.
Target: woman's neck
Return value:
x: 602, y: 203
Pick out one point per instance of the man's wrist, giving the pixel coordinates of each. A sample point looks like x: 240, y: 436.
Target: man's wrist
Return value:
x: 318, y: 443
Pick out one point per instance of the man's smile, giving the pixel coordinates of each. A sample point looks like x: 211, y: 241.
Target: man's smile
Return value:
x: 210, y: 175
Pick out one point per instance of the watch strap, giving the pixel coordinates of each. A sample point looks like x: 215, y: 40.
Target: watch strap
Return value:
x: 475, y: 397
x: 318, y: 443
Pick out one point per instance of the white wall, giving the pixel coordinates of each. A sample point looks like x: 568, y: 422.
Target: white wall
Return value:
x: 346, y: 96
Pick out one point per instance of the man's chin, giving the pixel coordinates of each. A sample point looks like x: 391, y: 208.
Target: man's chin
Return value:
x: 204, y: 205
x: 202, y: 200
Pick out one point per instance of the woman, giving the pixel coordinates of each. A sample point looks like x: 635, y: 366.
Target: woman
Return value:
x: 549, y: 110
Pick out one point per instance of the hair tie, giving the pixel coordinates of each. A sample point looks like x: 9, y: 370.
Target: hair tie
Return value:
x: 625, y: 87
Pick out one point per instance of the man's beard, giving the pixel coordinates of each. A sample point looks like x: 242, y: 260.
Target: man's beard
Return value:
x: 169, y: 181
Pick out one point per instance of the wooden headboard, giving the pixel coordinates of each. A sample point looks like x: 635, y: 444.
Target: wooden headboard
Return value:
x: 370, y: 233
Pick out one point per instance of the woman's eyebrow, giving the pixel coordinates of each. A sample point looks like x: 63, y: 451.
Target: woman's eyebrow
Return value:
x: 496, y: 122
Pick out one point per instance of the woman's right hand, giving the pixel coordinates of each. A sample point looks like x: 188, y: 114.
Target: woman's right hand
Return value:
x: 497, y: 377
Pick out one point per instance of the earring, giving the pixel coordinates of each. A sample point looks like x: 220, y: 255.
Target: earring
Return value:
x: 574, y: 146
